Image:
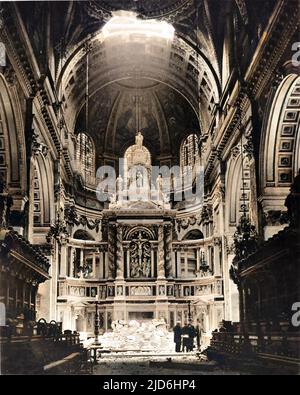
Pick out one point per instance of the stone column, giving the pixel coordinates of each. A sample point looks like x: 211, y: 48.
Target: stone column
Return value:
x: 161, y: 254
x: 81, y: 257
x: 186, y: 270
x: 217, y: 250
x: 174, y: 263
x: 111, y: 251
x: 101, y: 265
x: 152, y: 262
x: 178, y: 263
x: 63, y: 258
x: 168, y: 249
x: 198, y: 260
x: 72, y: 258
x: 128, y: 262
x: 105, y: 256
x: 94, y: 265
x: 69, y: 271
x: 120, y: 254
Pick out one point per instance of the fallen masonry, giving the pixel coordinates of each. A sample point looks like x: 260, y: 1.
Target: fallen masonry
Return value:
x: 152, y: 336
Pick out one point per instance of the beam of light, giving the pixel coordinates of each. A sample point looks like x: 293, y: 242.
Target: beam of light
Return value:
x: 127, y: 24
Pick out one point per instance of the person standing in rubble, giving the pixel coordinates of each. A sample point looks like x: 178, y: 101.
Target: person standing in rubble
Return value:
x: 192, y: 335
x: 177, y: 336
x: 186, y: 338
x: 198, y: 334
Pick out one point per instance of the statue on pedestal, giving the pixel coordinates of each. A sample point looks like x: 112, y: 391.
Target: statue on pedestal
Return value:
x: 139, y: 179
x: 139, y: 139
x: 119, y: 188
x: 159, y: 187
x: 138, y: 170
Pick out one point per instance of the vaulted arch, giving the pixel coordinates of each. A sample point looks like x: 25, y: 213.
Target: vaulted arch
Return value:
x: 280, y: 145
x: 194, y: 234
x: 178, y: 66
x: 280, y: 150
x: 9, y: 142
x: 82, y: 234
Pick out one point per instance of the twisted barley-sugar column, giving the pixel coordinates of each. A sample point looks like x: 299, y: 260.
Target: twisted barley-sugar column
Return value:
x: 161, y: 253
x: 168, y: 252
x: 120, y: 253
x: 111, y: 251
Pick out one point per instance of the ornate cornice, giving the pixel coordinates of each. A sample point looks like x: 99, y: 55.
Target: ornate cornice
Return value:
x: 272, y: 46
x: 26, y: 69
x: 14, y: 248
x: 10, y: 36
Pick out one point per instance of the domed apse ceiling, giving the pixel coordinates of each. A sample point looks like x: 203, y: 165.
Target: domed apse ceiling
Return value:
x: 164, y: 118
x: 169, y: 62
x: 149, y: 8
x: 133, y: 60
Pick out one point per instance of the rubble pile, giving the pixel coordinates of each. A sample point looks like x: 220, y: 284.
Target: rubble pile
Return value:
x: 135, y: 336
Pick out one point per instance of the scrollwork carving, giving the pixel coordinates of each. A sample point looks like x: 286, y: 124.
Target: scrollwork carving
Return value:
x: 72, y: 219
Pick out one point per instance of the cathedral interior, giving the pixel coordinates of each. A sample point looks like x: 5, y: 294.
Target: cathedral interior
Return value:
x: 149, y: 172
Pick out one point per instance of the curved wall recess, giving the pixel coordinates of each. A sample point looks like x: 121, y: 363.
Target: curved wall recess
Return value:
x: 238, y: 196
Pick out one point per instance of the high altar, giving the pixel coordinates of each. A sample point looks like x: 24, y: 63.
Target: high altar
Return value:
x: 139, y: 226
x: 141, y: 265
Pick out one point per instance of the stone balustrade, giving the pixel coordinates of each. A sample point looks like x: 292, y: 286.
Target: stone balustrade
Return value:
x: 175, y: 289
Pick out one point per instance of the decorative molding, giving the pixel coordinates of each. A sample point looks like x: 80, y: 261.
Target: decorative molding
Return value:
x: 72, y: 219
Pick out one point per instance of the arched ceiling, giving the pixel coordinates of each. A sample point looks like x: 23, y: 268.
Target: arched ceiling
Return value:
x: 165, y: 117
x: 147, y: 8
x: 122, y: 63
x: 183, y: 72
x: 173, y: 64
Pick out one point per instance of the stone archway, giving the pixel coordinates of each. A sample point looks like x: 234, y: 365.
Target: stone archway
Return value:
x: 280, y: 152
x: 9, y: 143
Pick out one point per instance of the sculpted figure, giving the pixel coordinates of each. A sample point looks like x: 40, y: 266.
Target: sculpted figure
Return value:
x: 159, y: 188
x: 119, y: 187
